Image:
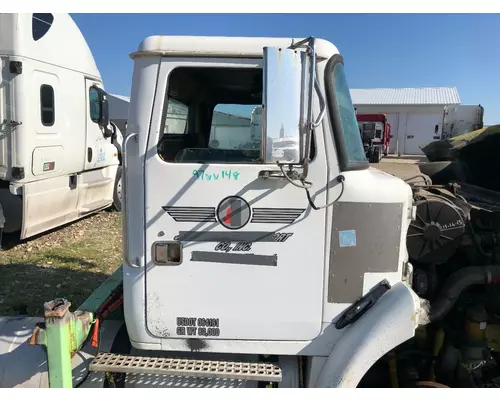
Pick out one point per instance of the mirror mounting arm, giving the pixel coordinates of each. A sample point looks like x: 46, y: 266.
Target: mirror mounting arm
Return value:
x: 291, y: 176
x: 322, y: 105
x: 309, y: 122
x: 314, y: 86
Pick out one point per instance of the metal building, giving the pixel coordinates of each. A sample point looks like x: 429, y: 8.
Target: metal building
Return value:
x: 416, y: 114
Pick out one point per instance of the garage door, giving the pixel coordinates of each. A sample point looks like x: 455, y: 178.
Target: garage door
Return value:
x: 393, y: 119
x: 420, y: 130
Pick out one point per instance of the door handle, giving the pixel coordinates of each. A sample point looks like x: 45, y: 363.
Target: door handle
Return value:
x: 291, y: 175
x: 270, y: 174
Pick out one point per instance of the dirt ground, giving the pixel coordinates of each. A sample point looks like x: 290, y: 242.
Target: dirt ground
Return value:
x: 73, y: 260
x: 402, y: 167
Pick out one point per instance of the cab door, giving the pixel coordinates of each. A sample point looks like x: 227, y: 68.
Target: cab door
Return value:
x: 97, y: 181
x: 229, y: 254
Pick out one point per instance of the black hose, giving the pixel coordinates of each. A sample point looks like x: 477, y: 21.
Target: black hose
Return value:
x: 476, y: 241
x: 457, y: 283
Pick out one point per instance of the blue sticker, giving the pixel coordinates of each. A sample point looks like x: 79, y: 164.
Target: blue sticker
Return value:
x: 101, y: 156
x: 347, y: 238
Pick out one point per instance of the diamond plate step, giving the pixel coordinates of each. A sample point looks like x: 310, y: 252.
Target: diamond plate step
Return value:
x: 248, y: 371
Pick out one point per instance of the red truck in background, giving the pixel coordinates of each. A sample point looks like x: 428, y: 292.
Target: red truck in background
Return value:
x: 375, y: 134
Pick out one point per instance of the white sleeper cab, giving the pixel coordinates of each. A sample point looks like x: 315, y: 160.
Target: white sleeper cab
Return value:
x: 59, y: 154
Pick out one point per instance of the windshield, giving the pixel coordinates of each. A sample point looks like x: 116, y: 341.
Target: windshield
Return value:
x: 350, y: 130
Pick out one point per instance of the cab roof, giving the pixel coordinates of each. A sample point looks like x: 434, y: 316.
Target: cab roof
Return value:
x: 50, y: 38
x: 221, y: 46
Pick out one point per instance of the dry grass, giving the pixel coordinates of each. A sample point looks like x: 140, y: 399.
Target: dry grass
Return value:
x: 69, y: 262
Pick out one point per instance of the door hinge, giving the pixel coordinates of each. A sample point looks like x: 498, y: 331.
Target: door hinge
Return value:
x: 11, y: 123
x: 16, y: 67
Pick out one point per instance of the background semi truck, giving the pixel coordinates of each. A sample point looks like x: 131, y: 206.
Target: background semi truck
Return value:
x: 376, y: 135
x: 59, y: 153
x: 460, y: 119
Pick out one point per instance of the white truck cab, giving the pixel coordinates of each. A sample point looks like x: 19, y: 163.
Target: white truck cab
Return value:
x: 59, y: 159
x: 235, y: 251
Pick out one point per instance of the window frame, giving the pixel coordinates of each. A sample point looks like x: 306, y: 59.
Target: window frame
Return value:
x: 53, y: 108
x: 335, y: 119
x: 313, y: 150
x: 188, y: 120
